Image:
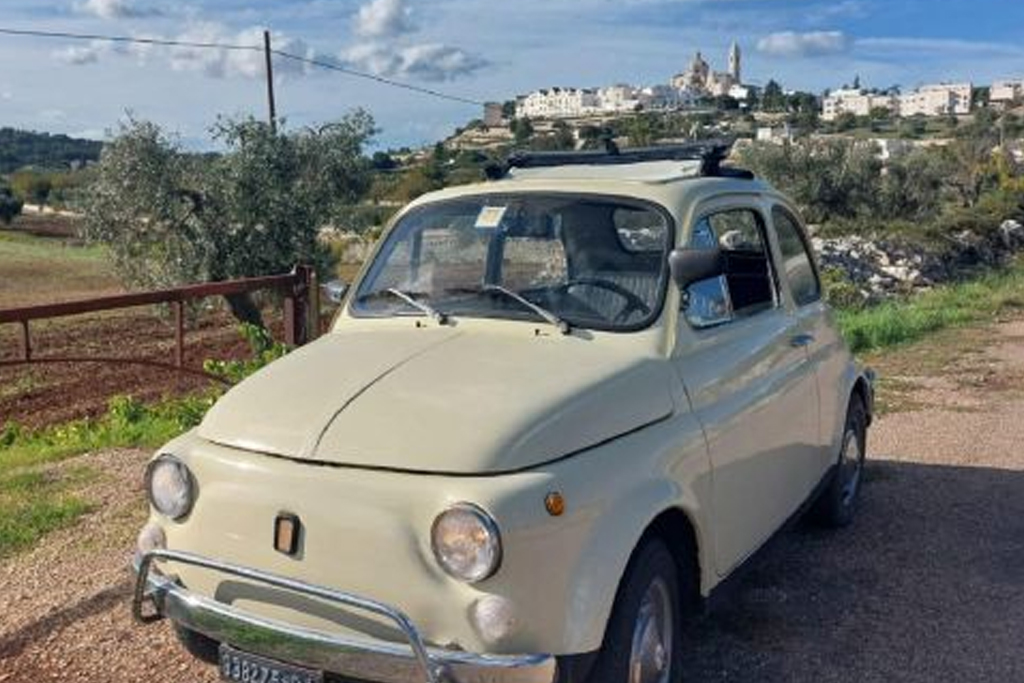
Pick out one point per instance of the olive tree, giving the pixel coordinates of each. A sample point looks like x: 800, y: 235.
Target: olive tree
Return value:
x: 828, y: 178
x: 10, y: 205
x: 171, y: 217
x: 32, y: 186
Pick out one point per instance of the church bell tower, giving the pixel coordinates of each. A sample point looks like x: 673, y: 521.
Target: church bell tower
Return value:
x: 734, y: 62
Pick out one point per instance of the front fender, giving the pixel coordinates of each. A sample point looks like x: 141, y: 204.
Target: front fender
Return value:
x: 617, y: 491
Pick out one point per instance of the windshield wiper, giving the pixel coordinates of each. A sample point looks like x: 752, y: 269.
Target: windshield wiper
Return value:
x: 548, y: 316
x: 427, y: 309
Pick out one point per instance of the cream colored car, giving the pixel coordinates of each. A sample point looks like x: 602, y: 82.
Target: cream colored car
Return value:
x: 555, y: 412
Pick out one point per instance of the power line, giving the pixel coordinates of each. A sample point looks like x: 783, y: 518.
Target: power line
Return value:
x: 126, y: 39
x: 380, y: 79
x: 243, y: 48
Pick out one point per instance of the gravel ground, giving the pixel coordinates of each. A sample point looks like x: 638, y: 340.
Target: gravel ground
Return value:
x: 927, y: 585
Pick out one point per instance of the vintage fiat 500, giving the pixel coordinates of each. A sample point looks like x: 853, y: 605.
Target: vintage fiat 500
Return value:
x: 554, y: 412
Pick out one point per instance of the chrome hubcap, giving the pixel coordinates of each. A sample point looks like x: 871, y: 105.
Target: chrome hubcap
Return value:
x: 851, y: 464
x: 650, y: 659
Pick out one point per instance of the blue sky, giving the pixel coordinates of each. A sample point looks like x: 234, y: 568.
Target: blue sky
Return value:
x: 483, y: 50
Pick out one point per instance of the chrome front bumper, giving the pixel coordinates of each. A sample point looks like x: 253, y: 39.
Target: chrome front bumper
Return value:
x: 371, y: 660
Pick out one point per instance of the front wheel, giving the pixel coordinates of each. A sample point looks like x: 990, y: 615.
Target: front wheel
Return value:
x: 838, y: 502
x: 642, y: 641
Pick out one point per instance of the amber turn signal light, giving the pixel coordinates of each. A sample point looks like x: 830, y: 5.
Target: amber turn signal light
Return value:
x: 554, y: 503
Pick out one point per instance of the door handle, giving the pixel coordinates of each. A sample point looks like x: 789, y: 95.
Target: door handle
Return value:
x: 801, y: 340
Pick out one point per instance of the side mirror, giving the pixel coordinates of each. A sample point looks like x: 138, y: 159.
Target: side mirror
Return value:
x: 693, y: 265
x: 335, y: 290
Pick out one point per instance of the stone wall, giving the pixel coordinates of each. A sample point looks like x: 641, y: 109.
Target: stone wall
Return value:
x: 881, y: 268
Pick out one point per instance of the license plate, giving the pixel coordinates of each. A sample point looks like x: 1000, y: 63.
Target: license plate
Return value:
x: 243, y: 667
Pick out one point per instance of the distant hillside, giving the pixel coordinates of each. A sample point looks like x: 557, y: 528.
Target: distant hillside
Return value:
x: 20, y: 148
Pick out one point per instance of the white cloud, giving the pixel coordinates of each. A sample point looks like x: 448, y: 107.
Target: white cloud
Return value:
x: 425, y: 61
x: 215, y: 63
x: 223, y: 63
x: 79, y: 55
x: 385, y: 50
x: 384, y: 19
x: 392, y: 54
x: 812, y: 44
x: 114, y: 9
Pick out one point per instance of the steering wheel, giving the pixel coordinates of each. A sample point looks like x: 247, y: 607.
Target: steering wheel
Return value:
x: 632, y: 301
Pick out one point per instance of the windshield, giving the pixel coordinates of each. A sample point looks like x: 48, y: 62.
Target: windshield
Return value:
x: 585, y: 261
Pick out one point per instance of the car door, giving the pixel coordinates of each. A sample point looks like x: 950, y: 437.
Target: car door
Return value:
x: 749, y: 383
x: 819, y: 337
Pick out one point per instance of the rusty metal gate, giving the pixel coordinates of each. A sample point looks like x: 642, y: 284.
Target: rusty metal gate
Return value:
x: 299, y: 289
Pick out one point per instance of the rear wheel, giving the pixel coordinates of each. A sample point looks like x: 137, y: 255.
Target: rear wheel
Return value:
x: 642, y: 641
x: 838, y: 502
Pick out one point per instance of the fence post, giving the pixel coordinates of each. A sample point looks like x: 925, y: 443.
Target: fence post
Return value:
x: 290, y: 338
x: 313, y: 309
x: 26, y: 342
x: 179, y: 333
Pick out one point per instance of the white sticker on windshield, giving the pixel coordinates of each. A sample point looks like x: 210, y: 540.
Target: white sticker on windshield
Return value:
x: 490, y: 217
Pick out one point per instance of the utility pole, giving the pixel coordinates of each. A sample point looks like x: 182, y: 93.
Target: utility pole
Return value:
x: 270, y: 82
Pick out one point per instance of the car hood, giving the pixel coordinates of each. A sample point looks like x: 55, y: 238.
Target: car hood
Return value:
x: 441, y: 400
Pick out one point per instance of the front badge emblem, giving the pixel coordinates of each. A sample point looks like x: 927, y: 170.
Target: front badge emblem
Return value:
x: 287, y: 528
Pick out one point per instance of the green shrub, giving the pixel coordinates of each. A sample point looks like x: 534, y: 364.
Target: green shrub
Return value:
x: 840, y: 291
x: 264, y: 351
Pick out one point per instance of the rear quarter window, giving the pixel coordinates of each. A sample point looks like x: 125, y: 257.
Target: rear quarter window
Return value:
x: 797, y: 264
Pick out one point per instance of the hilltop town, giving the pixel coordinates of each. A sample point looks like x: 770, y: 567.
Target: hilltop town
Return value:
x: 703, y: 99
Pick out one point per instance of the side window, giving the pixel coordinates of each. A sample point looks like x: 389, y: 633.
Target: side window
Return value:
x: 796, y: 261
x: 747, y: 285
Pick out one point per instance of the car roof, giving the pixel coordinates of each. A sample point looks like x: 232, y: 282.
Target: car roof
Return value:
x: 676, y: 190
x: 675, y: 176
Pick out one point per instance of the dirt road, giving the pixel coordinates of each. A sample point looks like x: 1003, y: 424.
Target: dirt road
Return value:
x: 927, y: 585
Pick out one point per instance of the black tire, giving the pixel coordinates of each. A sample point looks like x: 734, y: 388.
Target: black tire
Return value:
x: 651, y: 564
x: 198, y: 645
x: 836, y: 506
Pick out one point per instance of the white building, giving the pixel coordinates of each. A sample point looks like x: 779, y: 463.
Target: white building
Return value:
x: 855, y: 101
x: 561, y: 103
x: 556, y: 103
x: 775, y: 134
x: 666, y: 97
x: 739, y: 92
x: 618, y: 98
x: 937, y: 100
x: 1006, y: 93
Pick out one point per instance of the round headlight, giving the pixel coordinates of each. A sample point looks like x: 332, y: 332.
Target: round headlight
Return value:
x: 169, y: 485
x: 466, y: 543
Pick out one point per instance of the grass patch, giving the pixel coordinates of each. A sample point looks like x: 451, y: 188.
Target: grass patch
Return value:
x: 41, y: 269
x: 33, y: 503
x: 127, y: 423
x: 907, y: 320
x: 36, y: 498
x: 20, y: 245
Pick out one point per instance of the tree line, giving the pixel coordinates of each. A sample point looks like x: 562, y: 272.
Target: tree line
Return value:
x: 21, y: 148
x: 970, y: 183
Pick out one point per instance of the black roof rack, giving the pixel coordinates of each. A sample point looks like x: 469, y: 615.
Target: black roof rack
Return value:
x: 711, y: 154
